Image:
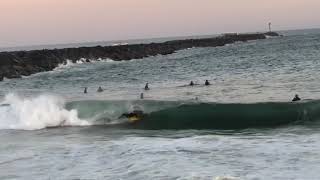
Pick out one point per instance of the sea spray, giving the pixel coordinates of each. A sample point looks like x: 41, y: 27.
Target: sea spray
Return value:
x: 69, y: 63
x: 36, y: 113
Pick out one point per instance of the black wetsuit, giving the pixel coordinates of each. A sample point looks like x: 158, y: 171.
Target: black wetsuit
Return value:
x: 296, y: 99
x: 146, y: 87
x: 136, y: 113
x: 100, y: 89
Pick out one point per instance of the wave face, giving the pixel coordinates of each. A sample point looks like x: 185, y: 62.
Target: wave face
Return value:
x: 110, y: 112
x: 193, y: 115
x: 36, y: 113
x: 230, y: 116
x: 50, y: 111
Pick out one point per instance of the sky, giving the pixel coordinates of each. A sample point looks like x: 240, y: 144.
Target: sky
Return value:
x: 36, y: 22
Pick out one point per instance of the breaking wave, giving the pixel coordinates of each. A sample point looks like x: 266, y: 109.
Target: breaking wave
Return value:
x: 36, y: 113
x: 197, y: 115
x: 50, y: 111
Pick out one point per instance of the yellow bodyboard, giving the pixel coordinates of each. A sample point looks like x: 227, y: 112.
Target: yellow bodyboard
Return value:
x: 133, y: 119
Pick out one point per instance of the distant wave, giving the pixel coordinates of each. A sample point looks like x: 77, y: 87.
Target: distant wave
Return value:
x: 50, y: 111
x: 120, y: 44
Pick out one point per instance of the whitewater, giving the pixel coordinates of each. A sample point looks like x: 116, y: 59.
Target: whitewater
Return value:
x: 242, y: 126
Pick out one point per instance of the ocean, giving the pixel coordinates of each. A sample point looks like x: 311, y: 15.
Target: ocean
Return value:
x: 242, y: 126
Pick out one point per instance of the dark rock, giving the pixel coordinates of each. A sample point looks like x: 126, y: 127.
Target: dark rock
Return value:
x: 272, y: 34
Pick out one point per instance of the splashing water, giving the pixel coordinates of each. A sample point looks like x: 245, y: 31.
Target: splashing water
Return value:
x: 36, y: 113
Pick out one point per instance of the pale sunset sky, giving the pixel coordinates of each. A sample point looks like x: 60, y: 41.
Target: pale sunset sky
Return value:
x: 34, y: 22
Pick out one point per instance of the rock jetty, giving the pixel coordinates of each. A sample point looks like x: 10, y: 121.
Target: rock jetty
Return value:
x: 24, y: 63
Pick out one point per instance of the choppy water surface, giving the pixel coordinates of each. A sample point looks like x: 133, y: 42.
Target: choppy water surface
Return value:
x: 252, y: 82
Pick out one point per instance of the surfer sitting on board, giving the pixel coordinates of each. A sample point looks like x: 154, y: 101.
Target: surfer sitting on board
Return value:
x: 191, y: 83
x: 100, y: 89
x: 146, y: 87
x: 207, y: 83
x: 296, y: 98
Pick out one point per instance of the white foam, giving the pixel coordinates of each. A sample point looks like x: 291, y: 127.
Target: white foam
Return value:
x: 36, y: 113
x: 270, y: 37
x: 69, y: 63
x: 226, y: 178
x: 119, y: 44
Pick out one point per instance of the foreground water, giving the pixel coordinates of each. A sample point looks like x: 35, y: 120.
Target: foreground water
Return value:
x: 252, y: 82
x: 104, y: 153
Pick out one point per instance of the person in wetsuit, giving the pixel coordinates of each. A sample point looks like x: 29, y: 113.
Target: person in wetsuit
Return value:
x: 296, y: 98
x: 100, y: 89
x: 136, y: 115
x: 85, y: 90
x: 207, y: 83
x: 191, y: 83
x: 146, y: 87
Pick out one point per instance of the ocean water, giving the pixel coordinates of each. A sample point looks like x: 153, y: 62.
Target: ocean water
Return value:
x: 242, y: 126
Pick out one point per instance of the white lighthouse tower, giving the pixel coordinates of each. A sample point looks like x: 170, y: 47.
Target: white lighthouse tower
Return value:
x: 270, y: 26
